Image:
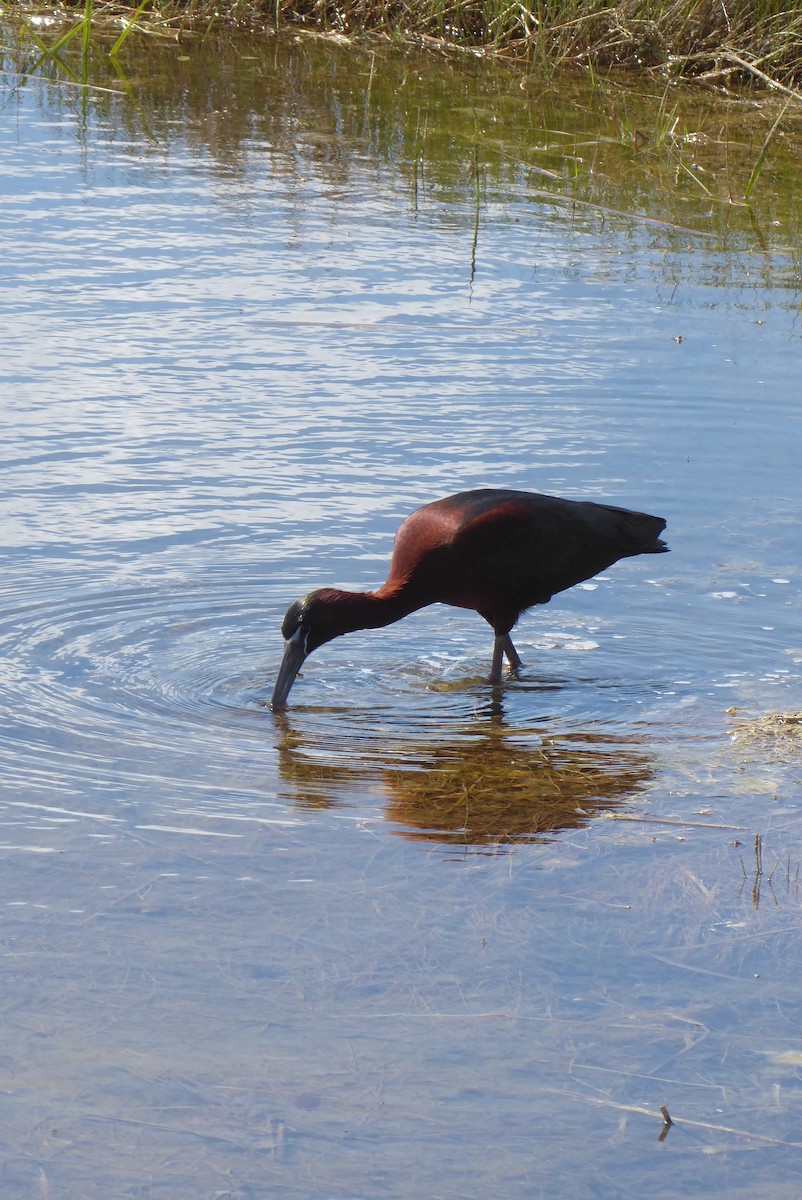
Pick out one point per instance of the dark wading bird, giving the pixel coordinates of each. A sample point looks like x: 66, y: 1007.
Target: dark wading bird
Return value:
x: 495, y: 551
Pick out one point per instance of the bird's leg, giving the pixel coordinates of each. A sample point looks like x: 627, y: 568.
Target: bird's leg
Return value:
x: 513, y: 657
x: 498, y: 659
x: 502, y: 645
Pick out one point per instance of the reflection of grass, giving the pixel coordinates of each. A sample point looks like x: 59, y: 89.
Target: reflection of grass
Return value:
x: 487, y: 786
x: 493, y: 792
x: 612, y: 150
x: 784, y: 874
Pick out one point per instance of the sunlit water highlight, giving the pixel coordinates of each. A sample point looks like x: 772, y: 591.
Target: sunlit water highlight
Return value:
x: 410, y: 938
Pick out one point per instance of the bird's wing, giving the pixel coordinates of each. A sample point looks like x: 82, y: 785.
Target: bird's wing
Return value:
x: 526, y: 554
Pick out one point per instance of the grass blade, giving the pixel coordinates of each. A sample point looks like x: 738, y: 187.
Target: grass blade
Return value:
x: 761, y: 158
x: 129, y: 25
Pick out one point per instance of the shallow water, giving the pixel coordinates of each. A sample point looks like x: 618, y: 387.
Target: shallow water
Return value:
x: 410, y: 938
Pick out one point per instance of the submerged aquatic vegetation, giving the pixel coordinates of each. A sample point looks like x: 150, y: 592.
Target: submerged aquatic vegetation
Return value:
x: 746, y: 43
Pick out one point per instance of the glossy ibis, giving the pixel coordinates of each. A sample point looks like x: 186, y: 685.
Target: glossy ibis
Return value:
x: 492, y: 550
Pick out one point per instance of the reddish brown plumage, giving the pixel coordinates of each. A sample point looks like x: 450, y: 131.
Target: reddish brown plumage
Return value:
x: 495, y: 551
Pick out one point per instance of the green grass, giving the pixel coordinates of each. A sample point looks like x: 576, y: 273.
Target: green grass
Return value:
x: 742, y: 42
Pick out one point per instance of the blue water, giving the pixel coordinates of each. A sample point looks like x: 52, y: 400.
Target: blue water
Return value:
x: 406, y: 940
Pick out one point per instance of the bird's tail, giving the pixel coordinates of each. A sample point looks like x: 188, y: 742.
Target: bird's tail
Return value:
x: 644, y: 533
x: 657, y: 547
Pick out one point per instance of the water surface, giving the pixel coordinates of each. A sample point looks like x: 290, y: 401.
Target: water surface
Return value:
x: 410, y: 938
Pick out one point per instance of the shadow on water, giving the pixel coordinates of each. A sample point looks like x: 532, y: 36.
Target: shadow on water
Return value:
x: 486, y: 785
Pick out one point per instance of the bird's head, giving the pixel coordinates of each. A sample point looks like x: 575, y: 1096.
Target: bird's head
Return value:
x: 308, y: 623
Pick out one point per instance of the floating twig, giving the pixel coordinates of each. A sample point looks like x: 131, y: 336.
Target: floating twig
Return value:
x: 672, y: 821
x: 667, y: 1123
x: 606, y: 1102
x: 559, y: 198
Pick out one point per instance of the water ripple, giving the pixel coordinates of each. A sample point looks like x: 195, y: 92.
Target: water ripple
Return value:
x: 147, y: 700
x: 104, y: 687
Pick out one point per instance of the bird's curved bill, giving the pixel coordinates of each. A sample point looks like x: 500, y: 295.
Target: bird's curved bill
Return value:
x: 294, y: 655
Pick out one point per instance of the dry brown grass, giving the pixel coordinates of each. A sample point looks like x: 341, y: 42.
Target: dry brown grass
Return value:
x: 780, y: 731
x: 738, y: 42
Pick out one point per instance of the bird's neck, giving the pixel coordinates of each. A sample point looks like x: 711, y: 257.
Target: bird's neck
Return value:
x: 349, y: 611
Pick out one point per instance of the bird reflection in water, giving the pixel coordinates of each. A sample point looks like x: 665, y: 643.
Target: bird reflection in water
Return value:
x: 491, y: 786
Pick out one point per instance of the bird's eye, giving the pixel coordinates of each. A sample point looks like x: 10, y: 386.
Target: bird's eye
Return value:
x: 293, y: 620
